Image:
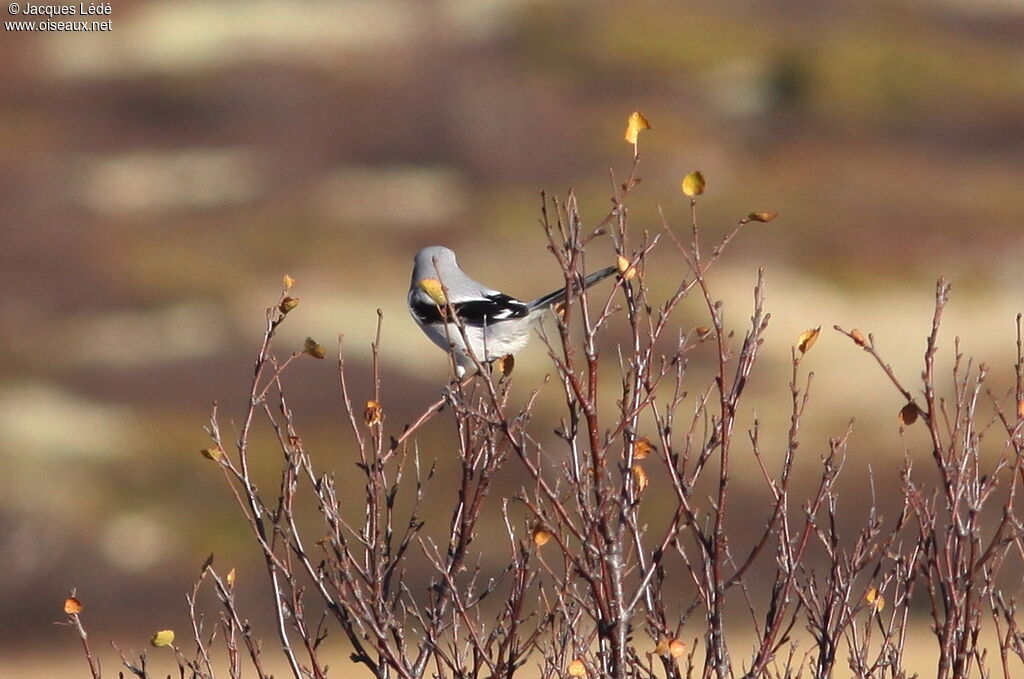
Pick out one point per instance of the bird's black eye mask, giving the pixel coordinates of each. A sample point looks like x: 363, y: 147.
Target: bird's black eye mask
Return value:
x: 475, y: 312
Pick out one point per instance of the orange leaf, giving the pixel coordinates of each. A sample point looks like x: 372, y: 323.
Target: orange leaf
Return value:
x: 807, y: 339
x: 876, y: 600
x: 642, y: 448
x: 858, y: 337
x: 540, y: 535
x: 373, y: 414
x: 577, y: 668
x: 641, y: 478
x: 72, y: 606
x: 506, y: 364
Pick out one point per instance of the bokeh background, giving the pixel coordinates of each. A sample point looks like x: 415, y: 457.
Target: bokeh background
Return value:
x: 159, y: 179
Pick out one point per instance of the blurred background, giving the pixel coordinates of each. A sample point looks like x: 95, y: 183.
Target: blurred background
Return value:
x: 158, y: 180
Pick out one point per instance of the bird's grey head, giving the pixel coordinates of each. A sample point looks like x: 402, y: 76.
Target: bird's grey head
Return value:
x: 432, y: 259
x: 438, y: 262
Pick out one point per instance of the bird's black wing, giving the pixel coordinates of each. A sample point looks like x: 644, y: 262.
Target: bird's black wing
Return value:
x: 475, y: 312
x: 496, y: 307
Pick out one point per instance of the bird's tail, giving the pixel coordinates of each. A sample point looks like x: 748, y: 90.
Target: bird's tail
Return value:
x: 560, y: 295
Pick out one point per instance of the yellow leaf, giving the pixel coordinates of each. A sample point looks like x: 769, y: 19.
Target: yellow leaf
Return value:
x: 288, y: 282
x: 540, y: 535
x: 214, y: 453
x: 164, y: 637
x: 677, y: 649
x: 807, y: 339
x: 636, y: 123
x: 642, y: 448
x: 858, y: 337
x: 876, y: 600
x: 640, y: 477
x: 577, y: 668
x: 627, y: 270
x: 314, y: 349
x: 908, y: 414
x: 72, y: 606
x: 373, y: 414
x: 693, y: 184
x: 230, y: 578
x: 762, y: 217
x: 287, y: 304
x: 433, y: 287
x: 506, y: 364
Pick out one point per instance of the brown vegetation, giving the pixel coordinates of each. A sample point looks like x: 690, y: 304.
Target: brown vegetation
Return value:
x: 589, y: 581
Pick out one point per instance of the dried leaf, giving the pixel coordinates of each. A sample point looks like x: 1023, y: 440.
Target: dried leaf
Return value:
x: 540, y: 535
x: 314, y: 349
x: 288, y: 282
x: 662, y: 646
x: 807, y: 339
x: 373, y: 414
x: 702, y: 331
x: 577, y: 668
x: 72, y: 606
x: 506, y: 364
x: 1020, y: 409
x: 858, y: 338
x: 213, y: 453
x: 287, y: 304
x: 229, y: 579
x: 627, y: 270
x: 433, y: 287
x: 677, y: 649
x: 206, y: 564
x: 762, y: 217
x: 642, y: 448
x: 876, y: 600
x: 640, y: 478
x: 164, y: 637
x: 636, y: 123
x: 693, y: 184
x: 908, y: 414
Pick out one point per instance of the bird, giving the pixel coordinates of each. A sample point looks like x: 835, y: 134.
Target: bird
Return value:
x: 494, y: 324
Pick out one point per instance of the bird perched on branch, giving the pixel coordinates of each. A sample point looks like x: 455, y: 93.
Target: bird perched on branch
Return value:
x: 454, y: 310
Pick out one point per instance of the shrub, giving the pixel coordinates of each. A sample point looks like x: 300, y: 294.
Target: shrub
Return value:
x: 591, y: 582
